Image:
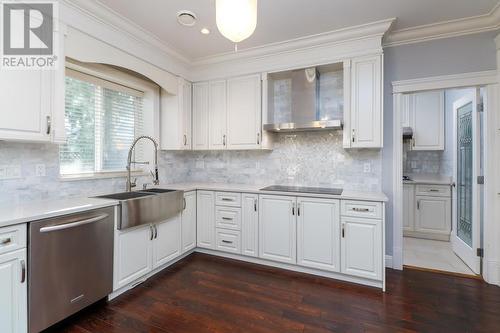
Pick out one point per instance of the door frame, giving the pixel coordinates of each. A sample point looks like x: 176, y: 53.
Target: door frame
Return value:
x: 489, y: 80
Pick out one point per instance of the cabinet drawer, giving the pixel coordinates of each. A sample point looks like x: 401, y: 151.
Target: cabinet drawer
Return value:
x: 12, y: 238
x: 228, y: 241
x: 361, y: 209
x: 228, y: 217
x: 228, y: 199
x: 434, y: 190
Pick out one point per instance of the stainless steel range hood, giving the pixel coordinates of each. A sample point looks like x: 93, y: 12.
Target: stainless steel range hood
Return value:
x: 305, y: 108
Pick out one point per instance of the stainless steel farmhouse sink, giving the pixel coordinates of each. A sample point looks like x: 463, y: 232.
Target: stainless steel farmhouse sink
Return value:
x: 148, y: 206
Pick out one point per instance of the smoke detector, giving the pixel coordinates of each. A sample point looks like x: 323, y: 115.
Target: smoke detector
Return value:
x: 186, y: 18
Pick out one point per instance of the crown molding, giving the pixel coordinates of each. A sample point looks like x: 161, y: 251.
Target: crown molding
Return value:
x: 105, y: 16
x: 364, y: 31
x: 445, y: 29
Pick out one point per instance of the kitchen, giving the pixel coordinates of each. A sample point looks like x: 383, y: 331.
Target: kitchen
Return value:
x: 139, y: 163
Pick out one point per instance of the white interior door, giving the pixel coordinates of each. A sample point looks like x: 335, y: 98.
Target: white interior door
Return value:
x: 465, y: 236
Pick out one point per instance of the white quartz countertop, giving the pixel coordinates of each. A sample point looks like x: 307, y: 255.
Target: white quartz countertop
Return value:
x: 346, y: 194
x: 37, y: 210
x: 430, y: 179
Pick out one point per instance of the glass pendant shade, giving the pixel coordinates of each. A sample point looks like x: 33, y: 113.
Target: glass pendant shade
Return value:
x: 236, y: 19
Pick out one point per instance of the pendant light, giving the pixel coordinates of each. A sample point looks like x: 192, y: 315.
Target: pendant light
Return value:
x: 236, y: 19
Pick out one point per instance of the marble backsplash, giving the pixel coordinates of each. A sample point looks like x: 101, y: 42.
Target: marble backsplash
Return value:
x: 307, y: 158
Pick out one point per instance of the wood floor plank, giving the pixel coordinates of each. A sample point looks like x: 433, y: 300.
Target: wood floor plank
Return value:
x: 204, y: 293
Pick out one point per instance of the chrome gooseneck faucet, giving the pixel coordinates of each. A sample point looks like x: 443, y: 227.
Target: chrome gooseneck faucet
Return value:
x: 131, y: 184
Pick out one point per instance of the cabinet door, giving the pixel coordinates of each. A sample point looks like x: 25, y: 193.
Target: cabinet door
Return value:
x: 366, y: 102
x: 188, y: 222
x: 217, y: 115
x: 361, y: 247
x: 318, y: 233
x: 13, y: 292
x: 187, y: 112
x: 167, y: 241
x: 244, y: 112
x: 133, y: 253
x: 408, y: 207
x: 205, y: 225
x: 277, y: 229
x: 250, y: 224
x: 200, y: 116
x: 433, y: 214
x: 25, y: 104
x: 427, y: 120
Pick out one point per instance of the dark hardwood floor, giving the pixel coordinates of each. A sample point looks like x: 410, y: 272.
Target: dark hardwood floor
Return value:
x: 209, y: 294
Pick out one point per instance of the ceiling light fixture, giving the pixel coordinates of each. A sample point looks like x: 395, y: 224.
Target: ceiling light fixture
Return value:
x: 186, y: 18
x: 236, y: 19
x: 205, y: 31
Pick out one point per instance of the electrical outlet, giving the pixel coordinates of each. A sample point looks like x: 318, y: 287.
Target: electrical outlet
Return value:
x: 367, y: 167
x: 40, y: 170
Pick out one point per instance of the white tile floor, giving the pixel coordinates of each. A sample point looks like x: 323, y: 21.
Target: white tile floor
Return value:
x: 432, y: 254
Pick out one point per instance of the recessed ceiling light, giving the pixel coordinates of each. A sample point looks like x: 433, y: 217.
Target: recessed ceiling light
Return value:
x: 186, y: 18
x: 205, y: 31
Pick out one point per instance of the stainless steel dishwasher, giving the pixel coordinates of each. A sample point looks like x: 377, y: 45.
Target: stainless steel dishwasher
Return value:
x: 70, y: 265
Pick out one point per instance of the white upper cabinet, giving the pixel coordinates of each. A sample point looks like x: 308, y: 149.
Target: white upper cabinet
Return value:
x: 277, y: 229
x: 427, y: 120
x: 176, y: 115
x: 364, y: 122
x: 217, y: 115
x: 26, y: 105
x: 227, y: 114
x: 200, y: 116
x: 244, y: 112
x: 318, y: 236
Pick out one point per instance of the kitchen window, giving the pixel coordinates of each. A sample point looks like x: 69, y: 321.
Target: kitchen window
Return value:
x: 102, y: 119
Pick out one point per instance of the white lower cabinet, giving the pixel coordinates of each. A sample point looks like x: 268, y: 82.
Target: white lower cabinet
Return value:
x: 13, y: 292
x: 433, y: 215
x: 277, y: 230
x: 318, y: 236
x: 205, y: 225
x: 250, y: 224
x: 361, y: 247
x: 228, y: 240
x: 408, y: 207
x: 133, y: 254
x: 188, y: 222
x: 166, y: 241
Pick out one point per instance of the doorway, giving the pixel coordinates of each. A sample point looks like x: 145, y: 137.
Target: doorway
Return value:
x: 441, y: 166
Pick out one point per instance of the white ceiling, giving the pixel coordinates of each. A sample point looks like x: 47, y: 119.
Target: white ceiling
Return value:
x: 280, y: 20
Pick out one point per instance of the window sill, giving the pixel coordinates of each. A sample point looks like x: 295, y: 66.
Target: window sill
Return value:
x: 100, y: 175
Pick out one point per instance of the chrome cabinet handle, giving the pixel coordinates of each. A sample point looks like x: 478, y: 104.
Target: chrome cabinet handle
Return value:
x: 6, y: 241
x: 227, y: 218
x: 156, y: 231
x: 343, y: 230
x: 224, y: 140
x: 49, y: 124
x: 185, y: 140
x: 226, y: 241
x: 258, y: 138
x: 184, y: 204
x: 433, y: 190
x: 418, y: 204
x: 293, y: 209
x: 356, y: 209
x: 255, y: 205
x: 23, y: 271
x: 227, y: 199
x: 353, y: 135
x: 298, y: 210
x: 151, y: 232
x: 73, y: 224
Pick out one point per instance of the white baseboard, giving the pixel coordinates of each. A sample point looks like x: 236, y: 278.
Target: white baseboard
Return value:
x: 388, y: 261
x: 492, y: 272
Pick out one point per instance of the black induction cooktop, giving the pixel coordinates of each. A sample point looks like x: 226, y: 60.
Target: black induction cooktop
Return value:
x: 302, y: 189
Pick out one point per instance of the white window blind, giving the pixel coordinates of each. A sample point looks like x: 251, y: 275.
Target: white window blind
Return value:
x: 102, y: 119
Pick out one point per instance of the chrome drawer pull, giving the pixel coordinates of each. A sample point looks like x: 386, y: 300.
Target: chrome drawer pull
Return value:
x: 74, y: 224
x: 23, y: 271
x: 433, y: 190
x: 360, y: 209
x: 227, y: 199
x: 6, y: 241
x: 226, y: 241
x: 227, y: 218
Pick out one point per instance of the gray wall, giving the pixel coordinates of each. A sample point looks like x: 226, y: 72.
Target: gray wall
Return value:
x: 471, y: 53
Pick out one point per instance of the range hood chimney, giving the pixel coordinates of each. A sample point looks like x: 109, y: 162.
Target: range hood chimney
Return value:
x: 305, y: 109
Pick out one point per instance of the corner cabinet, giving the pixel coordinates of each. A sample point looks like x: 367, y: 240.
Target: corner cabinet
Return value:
x: 188, y: 222
x: 205, y: 224
x: 176, y: 118
x: 363, y: 120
